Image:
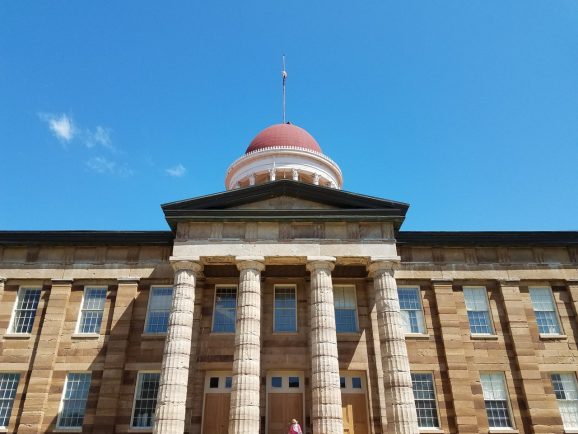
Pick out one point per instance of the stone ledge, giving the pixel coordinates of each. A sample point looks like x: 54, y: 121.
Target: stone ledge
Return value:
x: 418, y: 336
x: 481, y: 337
x: 544, y: 337
x: 17, y: 335
x: 503, y: 431
x: 85, y: 336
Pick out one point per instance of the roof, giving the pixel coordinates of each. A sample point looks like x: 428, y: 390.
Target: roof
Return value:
x: 341, y: 205
x: 281, y: 136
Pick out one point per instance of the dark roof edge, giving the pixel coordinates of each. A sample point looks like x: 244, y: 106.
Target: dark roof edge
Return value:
x: 488, y: 238
x: 121, y: 238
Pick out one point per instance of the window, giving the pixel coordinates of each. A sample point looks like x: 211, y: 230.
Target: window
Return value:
x: 225, y: 310
x: 214, y: 383
x: 294, y: 382
x: 356, y: 382
x: 545, y: 310
x: 145, y: 400
x: 285, y: 318
x: 425, y: 400
x: 277, y: 382
x: 342, y: 382
x: 8, y: 386
x: 91, y: 312
x: 73, y: 404
x: 228, y: 382
x: 345, y: 309
x: 496, y: 400
x: 411, y: 313
x: 478, y: 310
x: 25, y: 310
x: 160, y: 300
x: 566, y: 392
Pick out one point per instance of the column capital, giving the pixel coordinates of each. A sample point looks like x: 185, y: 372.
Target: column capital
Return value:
x: 128, y: 280
x: 383, y: 264
x: 320, y: 262
x: 250, y: 262
x: 442, y: 280
x: 61, y: 281
x: 191, y: 263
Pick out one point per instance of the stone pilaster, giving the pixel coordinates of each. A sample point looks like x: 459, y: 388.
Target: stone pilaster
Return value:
x: 117, y: 343
x: 397, y: 376
x: 326, y: 413
x: 2, y: 282
x: 572, y: 285
x: 542, y: 408
x: 463, y: 411
x: 245, y: 403
x: 35, y: 404
x: 172, y: 396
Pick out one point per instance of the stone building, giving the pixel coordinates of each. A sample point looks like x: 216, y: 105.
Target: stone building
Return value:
x: 286, y: 297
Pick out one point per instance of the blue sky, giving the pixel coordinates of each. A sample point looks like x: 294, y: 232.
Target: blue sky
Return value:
x: 467, y: 110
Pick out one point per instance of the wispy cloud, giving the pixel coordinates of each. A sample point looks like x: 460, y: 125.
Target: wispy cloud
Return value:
x: 177, y: 171
x: 104, y: 166
x: 99, y: 137
x: 61, y: 126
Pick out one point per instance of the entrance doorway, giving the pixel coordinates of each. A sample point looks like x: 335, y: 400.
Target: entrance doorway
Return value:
x: 217, y: 402
x: 354, y: 403
x: 284, y: 400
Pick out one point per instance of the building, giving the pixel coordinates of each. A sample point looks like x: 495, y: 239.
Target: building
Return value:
x: 286, y: 297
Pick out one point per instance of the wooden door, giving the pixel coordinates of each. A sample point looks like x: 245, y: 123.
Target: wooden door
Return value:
x: 283, y: 407
x: 354, y: 412
x: 216, y: 414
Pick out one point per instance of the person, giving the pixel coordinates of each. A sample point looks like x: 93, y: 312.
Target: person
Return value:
x: 295, y: 428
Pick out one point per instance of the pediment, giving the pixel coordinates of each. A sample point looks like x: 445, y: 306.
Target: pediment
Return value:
x: 285, y: 200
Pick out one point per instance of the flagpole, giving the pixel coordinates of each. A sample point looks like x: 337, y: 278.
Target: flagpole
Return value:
x: 284, y: 74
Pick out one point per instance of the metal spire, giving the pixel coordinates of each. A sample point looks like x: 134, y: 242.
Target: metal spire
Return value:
x: 284, y: 74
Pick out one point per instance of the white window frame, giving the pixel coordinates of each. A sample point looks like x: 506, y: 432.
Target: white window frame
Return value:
x: 508, y: 401
x: 19, y: 374
x: 567, y: 428
x: 489, y: 311
x: 78, y: 331
x: 280, y: 285
x: 151, y: 289
x: 423, y: 330
x: 134, y: 399
x: 348, y: 376
x: 215, y: 308
x: 555, y: 307
x: 356, y: 315
x: 15, y: 308
x: 222, y: 376
x: 61, y: 406
x: 433, y: 379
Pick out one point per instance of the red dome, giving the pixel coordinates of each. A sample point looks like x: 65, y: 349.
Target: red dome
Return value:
x: 283, y: 135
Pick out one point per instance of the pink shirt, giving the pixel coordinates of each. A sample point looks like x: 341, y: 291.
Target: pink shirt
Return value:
x: 294, y: 428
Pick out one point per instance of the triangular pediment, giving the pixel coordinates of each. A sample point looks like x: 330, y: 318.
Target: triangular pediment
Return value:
x: 283, y: 200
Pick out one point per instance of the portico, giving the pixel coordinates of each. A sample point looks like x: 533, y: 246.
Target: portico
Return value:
x: 287, y: 225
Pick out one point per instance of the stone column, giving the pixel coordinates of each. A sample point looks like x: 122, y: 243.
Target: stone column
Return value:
x: 116, y: 346
x: 172, y: 396
x: 244, y: 411
x: 464, y: 409
x: 572, y: 285
x: 397, y: 377
x: 38, y: 390
x: 542, y: 412
x: 325, y: 391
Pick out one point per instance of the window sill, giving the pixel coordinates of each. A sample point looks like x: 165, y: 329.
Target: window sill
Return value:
x: 18, y: 335
x: 481, y: 337
x: 152, y: 336
x: 67, y: 430
x: 503, y: 431
x: 418, y: 336
x: 83, y: 336
x: 545, y: 337
x: 431, y: 431
x: 571, y: 431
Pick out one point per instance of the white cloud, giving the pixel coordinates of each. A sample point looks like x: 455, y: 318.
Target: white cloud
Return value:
x: 61, y: 126
x: 105, y: 166
x: 100, y: 136
x: 177, y: 171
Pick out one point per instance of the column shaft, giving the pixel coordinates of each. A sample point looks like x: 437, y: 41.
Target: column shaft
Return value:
x: 117, y: 343
x: 35, y: 404
x: 397, y: 376
x: 244, y: 410
x: 172, y: 396
x: 326, y: 411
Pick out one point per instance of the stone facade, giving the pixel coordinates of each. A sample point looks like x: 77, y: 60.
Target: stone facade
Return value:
x: 356, y: 381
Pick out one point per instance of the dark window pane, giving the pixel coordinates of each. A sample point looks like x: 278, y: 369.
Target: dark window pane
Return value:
x: 214, y: 383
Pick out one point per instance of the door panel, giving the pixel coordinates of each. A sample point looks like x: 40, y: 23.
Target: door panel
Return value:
x: 283, y: 407
x: 216, y: 414
x: 354, y: 413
